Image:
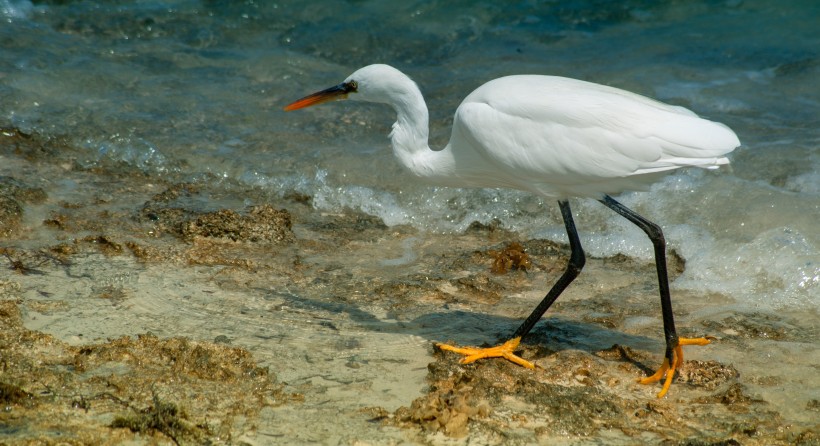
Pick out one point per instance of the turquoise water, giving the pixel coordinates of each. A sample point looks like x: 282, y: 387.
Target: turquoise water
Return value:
x: 194, y: 91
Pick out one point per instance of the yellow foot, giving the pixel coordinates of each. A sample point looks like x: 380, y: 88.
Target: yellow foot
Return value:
x: 504, y: 350
x: 669, y: 370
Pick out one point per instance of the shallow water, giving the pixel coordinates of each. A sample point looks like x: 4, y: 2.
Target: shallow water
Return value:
x: 195, y: 91
x: 130, y: 98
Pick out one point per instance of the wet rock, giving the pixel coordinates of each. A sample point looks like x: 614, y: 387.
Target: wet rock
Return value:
x: 448, y: 407
x: 809, y: 437
x: 263, y: 223
x: 547, y: 248
x: 753, y: 326
x: 165, y: 418
x: 13, y: 395
x: 348, y: 226
x: 492, y: 226
x: 13, y: 194
x: 148, y: 253
x: 175, y: 191
x: 409, y: 292
x: 574, y: 395
x: 19, y: 190
x: 298, y: 197
x: 733, y: 395
x: 75, y: 218
x: 149, y: 388
x: 479, y: 288
x: 462, y: 394
x: 11, y: 214
x: 178, y: 211
x: 105, y: 243
x: 32, y: 146
x: 707, y: 374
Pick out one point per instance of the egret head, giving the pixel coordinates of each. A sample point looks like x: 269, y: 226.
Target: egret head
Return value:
x: 333, y: 93
x: 373, y: 83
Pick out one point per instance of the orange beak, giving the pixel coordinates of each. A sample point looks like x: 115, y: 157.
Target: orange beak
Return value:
x: 334, y: 93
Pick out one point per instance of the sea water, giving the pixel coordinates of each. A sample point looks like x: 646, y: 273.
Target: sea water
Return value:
x: 192, y: 91
x: 195, y: 90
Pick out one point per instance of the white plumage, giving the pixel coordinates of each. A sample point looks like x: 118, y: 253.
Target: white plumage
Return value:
x: 556, y: 137
x: 550, y: 135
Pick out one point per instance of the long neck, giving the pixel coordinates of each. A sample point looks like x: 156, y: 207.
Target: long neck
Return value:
x: 410, y: 138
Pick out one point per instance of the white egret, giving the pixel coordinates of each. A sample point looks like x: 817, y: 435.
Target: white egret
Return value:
x: 558, y: 138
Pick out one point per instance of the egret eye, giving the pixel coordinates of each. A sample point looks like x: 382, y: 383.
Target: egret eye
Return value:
x: 352, y: 86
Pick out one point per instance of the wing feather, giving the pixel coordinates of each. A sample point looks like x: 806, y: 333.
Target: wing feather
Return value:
x: 569, y: 132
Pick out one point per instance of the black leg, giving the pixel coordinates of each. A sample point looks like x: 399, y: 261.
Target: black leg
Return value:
x: 656, y: 235
x: 674, y: 351
x: 574, y: 267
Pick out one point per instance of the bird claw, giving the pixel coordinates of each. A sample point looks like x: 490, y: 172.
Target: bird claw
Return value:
x: 668, y: 368
x: 505, y: 350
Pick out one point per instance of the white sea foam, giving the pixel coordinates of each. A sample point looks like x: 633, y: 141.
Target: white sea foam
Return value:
x: 772, y: 268
x: 19, y: 9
